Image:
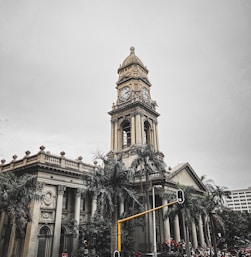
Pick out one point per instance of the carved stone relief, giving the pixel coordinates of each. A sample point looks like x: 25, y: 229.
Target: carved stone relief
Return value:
x: 45, y: 215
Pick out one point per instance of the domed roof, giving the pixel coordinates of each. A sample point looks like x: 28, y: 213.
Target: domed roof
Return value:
x: 131, y: 59
x: 132, y: 67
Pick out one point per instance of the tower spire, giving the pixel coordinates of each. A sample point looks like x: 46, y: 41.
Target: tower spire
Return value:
x: 132, y: 49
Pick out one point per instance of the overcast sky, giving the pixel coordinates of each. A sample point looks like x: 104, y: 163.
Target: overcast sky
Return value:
x: 58, y: 73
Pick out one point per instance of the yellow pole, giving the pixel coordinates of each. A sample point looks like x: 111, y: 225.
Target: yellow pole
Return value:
x: 119, y: 236
x: 138, y: 215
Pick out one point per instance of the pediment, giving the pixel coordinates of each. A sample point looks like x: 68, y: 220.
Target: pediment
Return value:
x: 184, y: 174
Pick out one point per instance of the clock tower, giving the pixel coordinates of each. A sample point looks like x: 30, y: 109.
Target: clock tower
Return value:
x: 133, y: 117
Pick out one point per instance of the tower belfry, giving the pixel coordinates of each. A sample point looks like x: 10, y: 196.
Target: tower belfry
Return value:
x: 133, y: 117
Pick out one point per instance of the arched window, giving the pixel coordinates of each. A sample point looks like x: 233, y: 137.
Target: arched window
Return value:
x: 126, y: 136
x: 44, y: 242
x: 146, y: 132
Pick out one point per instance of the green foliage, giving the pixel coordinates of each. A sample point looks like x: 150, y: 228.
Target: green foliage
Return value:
x: 73, y: 227
x: 212, y: 201
x: 237, y: 226
x: 147, y: 162
x: 110, y: 184
x: 97, y: 234
x: 16, y: 194
x: 128, y: 242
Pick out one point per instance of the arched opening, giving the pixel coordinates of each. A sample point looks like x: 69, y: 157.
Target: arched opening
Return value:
x: 146, y: 132
x: 44, y: 242
x: 126, y: 136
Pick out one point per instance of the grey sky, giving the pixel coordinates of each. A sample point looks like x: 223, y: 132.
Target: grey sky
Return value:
x: 58, y: 72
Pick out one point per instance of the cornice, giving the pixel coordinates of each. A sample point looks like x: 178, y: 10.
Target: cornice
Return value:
x: 125, y: 79
x: 130, y: 105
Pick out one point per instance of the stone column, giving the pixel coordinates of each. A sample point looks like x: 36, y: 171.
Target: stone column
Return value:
x: 76, y: 216
x: 142, y: 128
x: 133, y: 130
x: 176, y: 229
x: 167, y: 233
x: 201, y: 233
x: 138, y: 129
x: 57, y: 226
x: 206, y: 222
x: 151, y: 137
x: 112, y: 134
x: 115, y: 136
x: 194, y: 235
x: 2, y: 216
x: 157, y: 136
x: 154, y: 136
x: 94, y: 205
x: 122, y: 207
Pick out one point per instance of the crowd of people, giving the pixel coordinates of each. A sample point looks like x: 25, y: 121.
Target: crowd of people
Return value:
x: 179, y: 249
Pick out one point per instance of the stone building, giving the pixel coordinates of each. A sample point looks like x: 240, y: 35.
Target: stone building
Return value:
x: 60, y: 180
x: 134, y: 123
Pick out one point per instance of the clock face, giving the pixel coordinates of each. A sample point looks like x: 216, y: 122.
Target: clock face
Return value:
x: 145, y: 94
x: 124, y: 93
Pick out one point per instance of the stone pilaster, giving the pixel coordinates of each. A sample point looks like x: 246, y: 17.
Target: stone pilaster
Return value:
x: 12, y: 240
x: 31, y: 239
x: 58, y: 221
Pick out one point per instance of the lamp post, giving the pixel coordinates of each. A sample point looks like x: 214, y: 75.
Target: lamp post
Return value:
x: 154, y: 222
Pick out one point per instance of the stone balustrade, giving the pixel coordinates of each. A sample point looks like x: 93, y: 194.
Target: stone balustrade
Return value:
x: 43, y: 157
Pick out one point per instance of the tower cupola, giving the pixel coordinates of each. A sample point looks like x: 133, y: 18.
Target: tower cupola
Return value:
x: 131, y: 68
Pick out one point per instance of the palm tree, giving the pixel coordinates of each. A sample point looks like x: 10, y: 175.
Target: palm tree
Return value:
x: 213, y: 200
x: 16, y: 194
x: 111, y: 184
x: 189, y: 210
x: 146, y: 163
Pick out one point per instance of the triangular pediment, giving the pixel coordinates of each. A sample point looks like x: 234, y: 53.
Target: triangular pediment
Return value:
x: 183, y: 174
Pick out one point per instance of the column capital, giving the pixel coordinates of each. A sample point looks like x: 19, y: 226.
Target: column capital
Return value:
x: 61, y: 189
x: 77, y: 192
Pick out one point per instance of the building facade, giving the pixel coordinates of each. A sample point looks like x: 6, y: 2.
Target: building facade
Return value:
x: 240, y: 200
x: 134, y: 123
x: 51, y: 231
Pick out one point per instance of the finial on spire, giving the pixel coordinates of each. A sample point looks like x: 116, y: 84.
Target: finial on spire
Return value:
x: 132, y: 49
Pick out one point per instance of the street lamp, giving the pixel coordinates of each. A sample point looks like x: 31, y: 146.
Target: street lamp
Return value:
x: 154, y: 222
